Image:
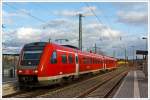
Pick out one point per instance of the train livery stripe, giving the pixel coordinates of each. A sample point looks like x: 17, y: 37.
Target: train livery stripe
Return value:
x: 65, y: 75
x: 54, y: 77
x: 90, y: 71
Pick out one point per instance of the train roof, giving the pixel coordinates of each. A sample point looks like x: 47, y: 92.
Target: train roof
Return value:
x: 70, y: 46
x: 35, y: 44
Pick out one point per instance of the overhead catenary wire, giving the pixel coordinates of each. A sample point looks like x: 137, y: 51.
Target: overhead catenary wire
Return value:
x: 99, y: 21
x: 93, y: 13
x: 29, y: 14
x: 107, y: 20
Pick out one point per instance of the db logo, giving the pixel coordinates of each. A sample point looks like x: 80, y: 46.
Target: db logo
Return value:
x: 29, y: 63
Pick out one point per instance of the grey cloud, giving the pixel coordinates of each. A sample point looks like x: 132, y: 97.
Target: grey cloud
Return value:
x: 55, y: 23
x: 132, y: 13
x: 128, y: 6
x: 133, y: 18
x: 86, y: 11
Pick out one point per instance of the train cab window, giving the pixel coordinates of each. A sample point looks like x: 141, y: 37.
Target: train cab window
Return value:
x: 54, y: 58
x: 64, y: 59
x: 70, y: 58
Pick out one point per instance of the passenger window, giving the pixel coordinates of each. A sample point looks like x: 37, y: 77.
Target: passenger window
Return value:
x: 64, y: 59
x: 70, y: 59
x: 77, y: 59
x: 54, y: 58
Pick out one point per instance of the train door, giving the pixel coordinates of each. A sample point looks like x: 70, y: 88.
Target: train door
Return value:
x: 60, y: 65
x: 64, y: 63
x: 77, y: 64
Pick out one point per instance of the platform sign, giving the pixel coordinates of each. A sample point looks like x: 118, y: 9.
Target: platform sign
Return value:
x: 141, y: 52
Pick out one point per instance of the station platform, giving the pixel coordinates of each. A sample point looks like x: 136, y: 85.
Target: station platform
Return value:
x: 6, y: 80
x: 134, y: 85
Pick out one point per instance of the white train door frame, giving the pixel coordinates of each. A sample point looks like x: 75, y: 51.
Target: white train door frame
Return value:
x: 77, y: 64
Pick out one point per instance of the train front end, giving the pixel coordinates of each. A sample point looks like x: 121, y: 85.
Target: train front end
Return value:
x: 29, y: 60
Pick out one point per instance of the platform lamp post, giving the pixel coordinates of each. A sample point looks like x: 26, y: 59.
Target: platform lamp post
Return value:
x: 145, y: 67
x: 133, y: 53
x: 145, y: 38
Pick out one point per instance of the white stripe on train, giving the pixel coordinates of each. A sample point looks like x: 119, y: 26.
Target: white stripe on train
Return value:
x: 66, y: 75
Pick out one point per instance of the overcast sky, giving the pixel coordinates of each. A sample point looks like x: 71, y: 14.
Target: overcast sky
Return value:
x: 119, y: 25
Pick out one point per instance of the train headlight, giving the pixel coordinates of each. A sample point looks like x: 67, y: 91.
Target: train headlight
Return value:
x: 20, y: 71
x: 35, y: 71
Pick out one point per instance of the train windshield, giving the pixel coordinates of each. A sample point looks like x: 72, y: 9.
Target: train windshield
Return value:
x: 31, y: 54
x: 31, y: 58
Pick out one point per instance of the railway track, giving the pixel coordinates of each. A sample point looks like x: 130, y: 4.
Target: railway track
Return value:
x: 84, y: 88
x: 12, y: 90
x: 104, y: 89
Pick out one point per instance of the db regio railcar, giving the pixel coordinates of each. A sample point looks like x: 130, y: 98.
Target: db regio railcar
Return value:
x: 44, y: 63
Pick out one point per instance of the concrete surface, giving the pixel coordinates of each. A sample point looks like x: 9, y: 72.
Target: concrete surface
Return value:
x: 134, y: 85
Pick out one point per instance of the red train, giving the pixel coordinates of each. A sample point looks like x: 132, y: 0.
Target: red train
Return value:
x: 49, y: 63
